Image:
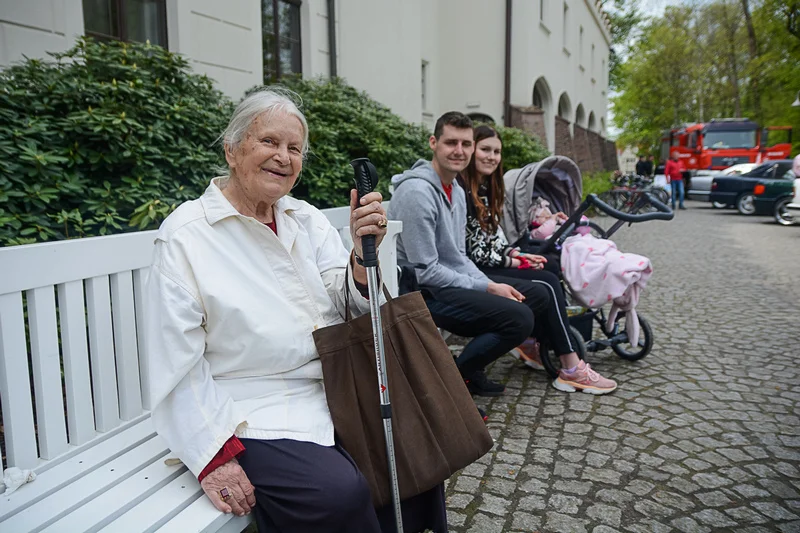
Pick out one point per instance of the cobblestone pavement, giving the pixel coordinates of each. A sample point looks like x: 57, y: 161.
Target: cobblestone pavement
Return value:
x: 702, y: 435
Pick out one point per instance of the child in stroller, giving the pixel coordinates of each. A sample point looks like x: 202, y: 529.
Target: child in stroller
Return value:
x: 593, y: 270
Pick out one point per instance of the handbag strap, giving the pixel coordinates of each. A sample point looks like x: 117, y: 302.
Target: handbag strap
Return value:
x: 347, y: 314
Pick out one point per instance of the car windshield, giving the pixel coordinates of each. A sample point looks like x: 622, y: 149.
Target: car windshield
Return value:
x: 761, y: 170
x: 718, y: 140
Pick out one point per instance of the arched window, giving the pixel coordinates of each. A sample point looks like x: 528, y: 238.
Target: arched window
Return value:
x: 580, y: 116
x: 592, y: 122
x: 565, y: 107
x: 481, y: 118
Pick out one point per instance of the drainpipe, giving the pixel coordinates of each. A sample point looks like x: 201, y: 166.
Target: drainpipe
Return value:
x: 507, y: 86
x: 332, y: 36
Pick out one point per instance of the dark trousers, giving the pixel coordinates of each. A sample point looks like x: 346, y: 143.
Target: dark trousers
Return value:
x: 496, y: 324
x: 551, y: 321
x: 302, y: 487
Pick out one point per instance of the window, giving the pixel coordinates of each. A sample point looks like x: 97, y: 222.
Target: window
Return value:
x: 580, y: 46
x: 126, y: 20
x: 591, y: 66
x: 424, y: 85
x: 717, y: 140
x: 280, y: 23
x: 565, y: 27
x: 542, y: 4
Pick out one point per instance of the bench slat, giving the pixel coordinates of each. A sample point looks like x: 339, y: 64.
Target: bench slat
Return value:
x: 52, y: 478
x: 203, y: 517
x: 125, y: 344
x: 47, y: 372
x: 96, y: 514
x: 80, y: 409
x: 84, y: 490
x: 15, y: 390
x: 159, y: 507
x: 101, y: 349
x: 139, y: 280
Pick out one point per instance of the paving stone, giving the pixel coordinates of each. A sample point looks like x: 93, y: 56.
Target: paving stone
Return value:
x: 561, y: 523
x: 710, y: 481
x: 494, y: 505
x: 653, y: 509
x: 603, y: 475
x: 502, y: 487
x: 563, y: 503
x: 525, y: 521
x: 606, y: 514
x: 713, y: 518
x: 746, y: 515
x: 774, y: 511
x: 482, y: 523
x: 672, y: 499
x: 459, y: 500
x: 714, y: 498
x: 532, y: 503
x: 455, y: 519
x: 688, y: 525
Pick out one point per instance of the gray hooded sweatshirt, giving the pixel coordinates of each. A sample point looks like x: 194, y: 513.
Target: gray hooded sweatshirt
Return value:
x: 434, y: 230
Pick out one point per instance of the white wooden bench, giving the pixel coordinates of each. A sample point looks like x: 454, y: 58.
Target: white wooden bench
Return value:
x: 99, y: 464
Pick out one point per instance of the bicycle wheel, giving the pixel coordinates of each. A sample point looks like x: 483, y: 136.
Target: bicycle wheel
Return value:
x: 551, y: 362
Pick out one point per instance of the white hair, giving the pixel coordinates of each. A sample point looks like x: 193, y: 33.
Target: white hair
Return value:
x: 269, y: 100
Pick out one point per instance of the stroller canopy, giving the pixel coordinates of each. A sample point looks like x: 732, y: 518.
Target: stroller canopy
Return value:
x: 556, y: 179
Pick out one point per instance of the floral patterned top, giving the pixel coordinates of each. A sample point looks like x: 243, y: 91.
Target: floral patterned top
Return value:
x: 484, y: 249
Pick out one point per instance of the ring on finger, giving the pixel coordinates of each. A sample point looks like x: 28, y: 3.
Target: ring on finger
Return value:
x: 383, y: 223
x: 225, y: 494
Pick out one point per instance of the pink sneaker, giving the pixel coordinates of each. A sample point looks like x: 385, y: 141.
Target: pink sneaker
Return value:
x: 528, y: 353
x: 585, y: 379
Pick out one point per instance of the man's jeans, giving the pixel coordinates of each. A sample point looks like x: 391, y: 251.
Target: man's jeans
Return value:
x: 677, y: 192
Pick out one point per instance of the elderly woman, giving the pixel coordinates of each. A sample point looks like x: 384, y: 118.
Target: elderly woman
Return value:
x: 240, y: 279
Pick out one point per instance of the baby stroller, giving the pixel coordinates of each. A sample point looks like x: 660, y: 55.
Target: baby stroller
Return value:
x: 557, y: 179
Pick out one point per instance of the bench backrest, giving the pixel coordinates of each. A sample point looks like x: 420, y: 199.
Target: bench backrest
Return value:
x: 74, y: 306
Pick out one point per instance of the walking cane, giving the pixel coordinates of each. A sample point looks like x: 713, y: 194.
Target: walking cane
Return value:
x: 366, y: 178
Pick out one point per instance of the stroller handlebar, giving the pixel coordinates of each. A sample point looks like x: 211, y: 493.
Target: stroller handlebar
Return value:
x: 662, y: 211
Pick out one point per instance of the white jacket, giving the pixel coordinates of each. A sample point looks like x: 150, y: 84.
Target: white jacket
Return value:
x: 231, y: 308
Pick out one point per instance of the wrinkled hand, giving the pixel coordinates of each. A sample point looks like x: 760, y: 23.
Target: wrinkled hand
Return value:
x: 230, y: 475
x: 506, y: 291
x: 365, y: 217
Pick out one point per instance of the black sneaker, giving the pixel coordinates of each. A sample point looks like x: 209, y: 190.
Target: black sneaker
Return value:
x: 483, y: 414
x: 480, y: 385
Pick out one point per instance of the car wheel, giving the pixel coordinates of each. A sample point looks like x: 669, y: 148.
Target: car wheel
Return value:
x: 745, y: 204
x: 783, y: 215
x: 719, y: 205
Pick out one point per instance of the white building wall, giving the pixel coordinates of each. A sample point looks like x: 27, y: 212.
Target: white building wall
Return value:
x: 540, y: 51
x: 380, y: 51
x: 35, y: 27
x: 221, y: 39
x: 471, y: 36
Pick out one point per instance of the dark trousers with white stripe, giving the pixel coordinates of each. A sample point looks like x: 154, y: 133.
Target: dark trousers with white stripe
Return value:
x: 551, y: 319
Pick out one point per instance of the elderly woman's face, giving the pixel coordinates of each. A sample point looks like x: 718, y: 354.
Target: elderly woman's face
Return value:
x: 269, y: 158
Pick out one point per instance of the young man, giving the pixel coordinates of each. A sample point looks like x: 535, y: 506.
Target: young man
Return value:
x: 461, y: 299
x: 641, y: 166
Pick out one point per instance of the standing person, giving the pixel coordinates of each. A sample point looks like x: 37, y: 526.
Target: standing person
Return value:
x: 674, y: 172
x: 241, y: 277
x: 497, y: 314
x: 640, y: 166
x: 650, y: 166
x: 488, y: 248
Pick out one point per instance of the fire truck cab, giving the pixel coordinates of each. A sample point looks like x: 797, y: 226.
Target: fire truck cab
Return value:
x: 722, y: 143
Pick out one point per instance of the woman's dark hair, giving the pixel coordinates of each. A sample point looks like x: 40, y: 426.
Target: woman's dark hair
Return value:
x: 489, y: 218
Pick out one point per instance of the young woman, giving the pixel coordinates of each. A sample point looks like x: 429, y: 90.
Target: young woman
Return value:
x: 489, y: 249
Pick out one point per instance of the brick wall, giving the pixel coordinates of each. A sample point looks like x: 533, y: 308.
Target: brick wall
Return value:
x: 595, y: 151
x: 530, y: 119
x: 611, y: 151
x: 581, y: 144
x: 564, y: 143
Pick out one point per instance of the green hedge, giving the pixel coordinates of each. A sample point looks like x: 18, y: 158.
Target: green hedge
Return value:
x: 111, y: 137
x: 106, y: 138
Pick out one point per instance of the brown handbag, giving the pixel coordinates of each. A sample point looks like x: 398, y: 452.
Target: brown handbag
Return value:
x: 437, y: 428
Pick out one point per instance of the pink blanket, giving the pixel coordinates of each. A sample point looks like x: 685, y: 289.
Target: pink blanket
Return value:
x: 597, y: 273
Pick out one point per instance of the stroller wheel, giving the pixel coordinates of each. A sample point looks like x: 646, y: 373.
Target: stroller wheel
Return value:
x: 629, y: 352
x: 551, y: 362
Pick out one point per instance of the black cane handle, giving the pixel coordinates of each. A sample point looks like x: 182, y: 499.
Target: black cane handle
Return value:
x: 366, y: 178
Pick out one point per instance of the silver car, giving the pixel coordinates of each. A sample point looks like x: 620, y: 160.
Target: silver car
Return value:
x: 701, y: 181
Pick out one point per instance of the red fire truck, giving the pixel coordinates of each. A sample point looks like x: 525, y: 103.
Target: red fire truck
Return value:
x: 725, y: 142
